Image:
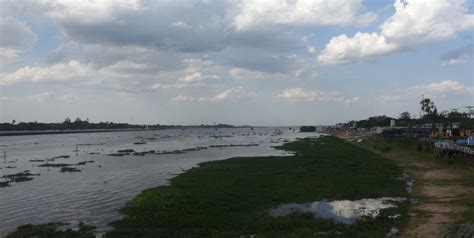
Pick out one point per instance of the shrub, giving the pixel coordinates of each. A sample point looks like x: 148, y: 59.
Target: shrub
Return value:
x: 307, y: 129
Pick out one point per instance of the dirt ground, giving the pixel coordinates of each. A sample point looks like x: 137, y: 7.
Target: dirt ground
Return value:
x: 441, y: 190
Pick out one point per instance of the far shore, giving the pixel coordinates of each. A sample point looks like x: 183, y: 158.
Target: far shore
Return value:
x: 45, y: 132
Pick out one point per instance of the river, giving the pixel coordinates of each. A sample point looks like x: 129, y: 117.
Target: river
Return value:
x: 105, y: 183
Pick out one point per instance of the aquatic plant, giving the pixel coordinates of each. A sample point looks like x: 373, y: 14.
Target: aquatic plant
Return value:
x: 4, y: 184
x: 19, y: 177
x: 230, y: 198
x: 54, y: 165
x: 69, y: 169
x: 52, y: 230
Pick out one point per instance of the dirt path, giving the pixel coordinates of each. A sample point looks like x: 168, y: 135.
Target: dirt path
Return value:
x: 442, y: 190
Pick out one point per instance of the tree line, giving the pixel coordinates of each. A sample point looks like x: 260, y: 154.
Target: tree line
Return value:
x: 430, y: 116
x: 67, y: 124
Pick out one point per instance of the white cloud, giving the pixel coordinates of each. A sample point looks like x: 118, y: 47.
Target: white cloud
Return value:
x: 260, y: 13
x: 234, y: 94
x: 443, y: 89
x: 414, y: 22
x: 73, y: 70
x: 299, y: 94
x: 15, y: 34
x: 7, y: 56
x: 343, y: 49
x: 237, y: 94
x: 182, y: 99
x: 446, y: 86
x: 245, y: 74
x: 182, y: 25
x: 426, y: 21
x: 49, y: 96
x: 89, y: 12
x: 351, y: 101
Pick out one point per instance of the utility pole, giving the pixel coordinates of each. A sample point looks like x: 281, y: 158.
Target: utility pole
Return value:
x: 470, y: 110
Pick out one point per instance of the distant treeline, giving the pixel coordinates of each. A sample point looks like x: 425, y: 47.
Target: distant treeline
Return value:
x: 307, y: 129
x: 405, y: 120
x: 430, y: 116
x: 80, y: 124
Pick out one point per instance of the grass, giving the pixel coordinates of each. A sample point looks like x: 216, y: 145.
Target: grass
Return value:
x: 231, y: 198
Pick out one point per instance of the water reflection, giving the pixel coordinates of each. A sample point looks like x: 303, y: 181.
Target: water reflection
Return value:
x: 344, y: 211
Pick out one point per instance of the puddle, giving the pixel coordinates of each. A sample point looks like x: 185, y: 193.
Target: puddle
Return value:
x: 344, y: 211
x: 408, y: 180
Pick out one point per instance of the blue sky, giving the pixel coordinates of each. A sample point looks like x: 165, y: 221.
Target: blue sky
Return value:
x: 240, y: 62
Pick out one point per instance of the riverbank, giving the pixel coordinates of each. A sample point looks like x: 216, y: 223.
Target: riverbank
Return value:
x: 445, y: 190
x: 233, y: 197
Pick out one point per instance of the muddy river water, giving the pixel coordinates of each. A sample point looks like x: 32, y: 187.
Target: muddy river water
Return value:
x: 105, y: 183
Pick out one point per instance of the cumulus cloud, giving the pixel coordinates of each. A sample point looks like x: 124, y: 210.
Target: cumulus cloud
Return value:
x: 72, y: 70
x: 237, y: 94
x: 80, y: 12
x: 457, y: 56
x: 245, y: 74
x: 15, y: 34
x: 50, y: 96
x: 445, y: 88
x: 182, y: 25
x: 413, y: 23
x: 182, y: 99
x: 195, y: 70
x: 7, y: 56
x: 234, y: 94
x: 342, y: 49
x: 300, y: 94
x: 261, y: 13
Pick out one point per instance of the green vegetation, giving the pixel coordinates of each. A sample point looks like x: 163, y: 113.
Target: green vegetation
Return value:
x: 307, y: 129
x: 51, y: 230
x: 69, y: 169
x: 4, y: 184
x: 166, y: 152
x: 18, y: 177
x: 232, y: 197
x: 54, y: 165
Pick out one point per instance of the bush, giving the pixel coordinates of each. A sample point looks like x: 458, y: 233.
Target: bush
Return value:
x: 307, y: 129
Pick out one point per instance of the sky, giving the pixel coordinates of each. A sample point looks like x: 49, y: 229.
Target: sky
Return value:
x: 253, y: 62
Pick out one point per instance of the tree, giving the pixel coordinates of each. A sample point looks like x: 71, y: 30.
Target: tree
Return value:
x: 428, y: 106
x: 13, y: 122
x: 405, y: 116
